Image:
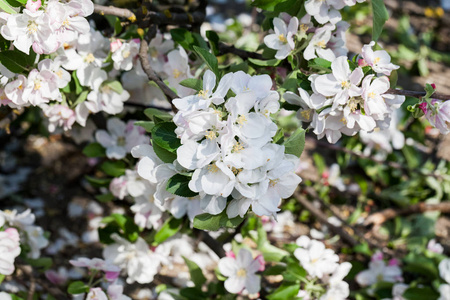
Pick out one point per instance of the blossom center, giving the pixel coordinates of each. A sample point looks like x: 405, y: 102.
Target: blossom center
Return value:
x: 304, y: 27
x: 371, y: 95
x: 306, y: 114
x: 32, y: 27
x: 321, y: 44
x: 273, y: 182
x: 241, y: 120
x: 203, y: 94
x: 176, y: 73
x: 59, y: 73
x: 241, y: 273
x: 89, y: 58
x: 37, y: 84
x: 211, y: 134
x: 126, y: 54
x: 213, y: 168
x: 66, y: 23
x: 153, y: 53
x: 282, y: 38
x: 121, y: 141
x: 345, y: 84
x: 343, y: 120
x: 237, y: 148
x: 376, y: 60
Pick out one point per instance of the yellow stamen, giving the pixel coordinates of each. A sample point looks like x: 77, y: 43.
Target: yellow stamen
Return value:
x: 376, y: 60
x: 282, y: 38
x: 273, y: 182
x: 321, y: 44
x: 126, y: 54
x: 37, y: 85
x: 213, y: 168
x: 237, y: 148
x: 210, y: 135
x: 345, y: 84
x: 306, y: 114
x: 89, y: 58
x: 203, y: 94
x: 176, y: 73
x: 343, y: 120
x: 241, y: 120
x: 241, y: 273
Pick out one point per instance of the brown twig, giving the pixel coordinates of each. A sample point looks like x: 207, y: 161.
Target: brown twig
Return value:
x: 115, y: 11
x: 143, y: 55
x: 379, y: 218
x: 213, y: 244
x: 224, y: 49
x: 417, y: 94
x: 324, y: 220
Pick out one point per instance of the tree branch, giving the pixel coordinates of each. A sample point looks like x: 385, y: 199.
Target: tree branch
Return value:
x: 143, y: 55
x: 115, y: 11
x: 324, y: 220
x: 224, y: 49
x: 380, y: 217
x: 417, y: 94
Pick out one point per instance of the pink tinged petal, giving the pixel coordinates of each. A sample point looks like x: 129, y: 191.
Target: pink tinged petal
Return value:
x: 356, y: 76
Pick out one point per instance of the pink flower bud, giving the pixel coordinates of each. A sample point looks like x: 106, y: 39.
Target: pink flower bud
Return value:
x: 377, y: 256
x: 111, y: 275
x: 423, y: 107
x: 33, y: 6
x: 230, y: 254
x: 115, y: 45
x: 55, y: 277
x: 394, y: 262
x: 362, y: 62
x: 433, y: 86
x: 262, y: 262
x: 13, y: 234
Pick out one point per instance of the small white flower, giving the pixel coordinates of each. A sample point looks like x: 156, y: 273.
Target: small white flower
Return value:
x: 241, y: 272
x: 283, y: 38
x: 379, y: 60
x: 444, y: 270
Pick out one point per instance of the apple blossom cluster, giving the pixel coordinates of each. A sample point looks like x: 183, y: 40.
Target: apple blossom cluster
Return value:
x: 241, y: 270
x: 321, y: 263
x: 326, y: 39
x: 30, y: 234
x: 46, y: 27
x: 347, y: 101
x: 154, y: 198
x: 438, y: 114
x: 228, y: 144
x: 380, y: 270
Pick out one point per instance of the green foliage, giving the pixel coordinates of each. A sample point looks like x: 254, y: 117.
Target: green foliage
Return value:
x: 147, y: 125
x: 209, y: 59
x: 421, y: 293
x: 295, y: 143
x: 157, y: 116
x: 113, y: 168
x: 188, y: 39
x: 179, y: 185
x: 94, y: 150
x: 320, y: 64
x: 16, y: 61
x: 193, y: 83
x: 77, y: 287
x: 215, y: 222
x: 170, y: 227
x: 163, y: 134
x: 42, y: 263
x: 380, y: 16
x: 285, y: 291
x: 120, y: 224
x: 196, y: 273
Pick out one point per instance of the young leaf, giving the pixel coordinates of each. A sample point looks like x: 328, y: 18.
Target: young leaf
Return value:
x: 209, y: 59
x: 94, y: 150
x: 16, y: 61
x: 4, y: 5
x: 169, y: 228
x: 77, y: 287
x: 196, y: 273
x: 380, y: 16
x: 215, y: 222
x: 179, y: 185
x: 320, y: 64
x: 295, y: 143
x: 147, y: 125
x: 113, y: 168
x: 265, y: 63
x: 163, y: 154
x: 213, y: 39
x: 193, y: 83
x: 157, y: 115
x: 285, y: 291
x: 163, y: 134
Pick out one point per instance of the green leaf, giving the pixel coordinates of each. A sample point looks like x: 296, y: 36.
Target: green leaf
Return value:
x: 380, y: 16
x: 147, y: 125
x: 113, y: 168
x: 129, y: 229
x: 105, y: 197
x: 209, y: 59
x: 43, y: 263
x: 4, y: 5
x: 320, y: 64
x: 295, y: 143
x: 183, y: 37
x: 81, y: 98
x: 16, y: 61
x: 97, y: 182
x: 94, y: 150
x: 179, y: 185
x: 77, y: 287
x: 285, y: 291
x: 163, y: 154
x: 193, y: 83
x: 170, y: 227
x: 196, y: 273
x: 265, y: 63
x: 266, y: 4
x: 213, y: 39
x: 420, y: 293
x: 116, y: 86
x: 163, y: 134
x: 2, y: 277
x: 215, y: 222
x: 157, y: 115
